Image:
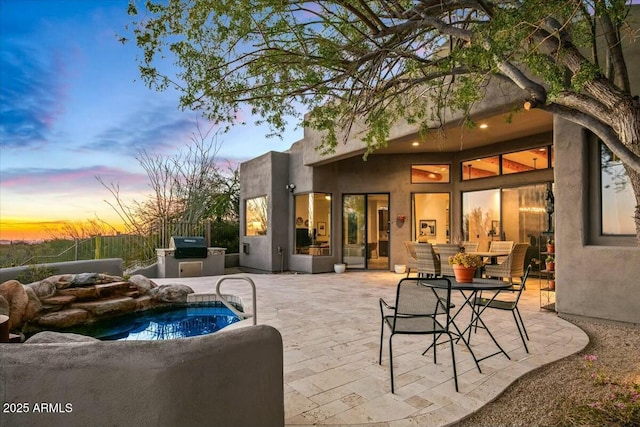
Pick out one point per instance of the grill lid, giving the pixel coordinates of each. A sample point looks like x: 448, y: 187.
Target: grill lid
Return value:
x: 188, y: 247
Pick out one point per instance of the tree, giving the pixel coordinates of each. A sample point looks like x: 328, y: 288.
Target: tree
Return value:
x: 377, y: 61
x: 187, y: 188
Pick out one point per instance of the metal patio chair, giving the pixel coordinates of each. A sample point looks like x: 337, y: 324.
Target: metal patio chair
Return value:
x: 422, y: 308
x: 509, y: 305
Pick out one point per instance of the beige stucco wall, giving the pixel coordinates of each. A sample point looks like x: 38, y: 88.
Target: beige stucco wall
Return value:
x: 231, y: 378
x: 591, y: 280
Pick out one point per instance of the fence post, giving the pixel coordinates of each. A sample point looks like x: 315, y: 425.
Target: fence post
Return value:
x: 75, y: 244
x: 97, y: 251
x: 207, y: 232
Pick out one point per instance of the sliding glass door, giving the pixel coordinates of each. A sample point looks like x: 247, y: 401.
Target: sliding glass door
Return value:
x: 365, y: 231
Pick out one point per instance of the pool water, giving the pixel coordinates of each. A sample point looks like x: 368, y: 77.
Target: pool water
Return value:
x: 163, y: 325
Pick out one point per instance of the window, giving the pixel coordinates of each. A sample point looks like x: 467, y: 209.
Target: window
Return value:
x: 509, y: 163
x: 313, y: 224
x: 431, y: 216
x: 256, y: 216
x: 421, y: 174
x: 526, y: 160
x: 481, y: 216
x: 481, y: 168
x: 617, y: 201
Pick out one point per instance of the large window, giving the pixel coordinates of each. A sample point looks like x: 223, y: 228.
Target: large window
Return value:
x: 313, y: 224
x: 508, y: 163
x: 617, y: 200
x: 481, y: 217
x: 431, y: 216
x: 256, y: 216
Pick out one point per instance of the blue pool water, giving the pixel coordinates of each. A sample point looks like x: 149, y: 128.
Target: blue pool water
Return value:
x: 164, y: 325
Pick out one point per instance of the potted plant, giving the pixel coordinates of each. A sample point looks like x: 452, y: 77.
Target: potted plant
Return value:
x: 550, y: 263
x: 552, y: 284
x: 551, y: 246
x: 339, y: 267
x: 464, y: 266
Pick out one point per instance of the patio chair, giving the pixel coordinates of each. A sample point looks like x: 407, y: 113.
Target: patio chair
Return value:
x: 512, y: 266
x: 500, y: 246
x: 470, y: 246
x: 445, y: 251
x: 428, y: 261
x: 412, y: 262
x: 510, y: 304
x: 419, y: 303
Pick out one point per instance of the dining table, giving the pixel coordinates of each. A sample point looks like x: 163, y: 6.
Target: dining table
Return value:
x: 470, y: 291
x: 492, y: 255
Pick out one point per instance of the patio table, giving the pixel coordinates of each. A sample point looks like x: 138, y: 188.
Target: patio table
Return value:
x: 469, y: 292
x: 493, y: 256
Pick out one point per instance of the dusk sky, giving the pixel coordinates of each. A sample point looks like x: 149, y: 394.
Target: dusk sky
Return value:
x: 72, y: 107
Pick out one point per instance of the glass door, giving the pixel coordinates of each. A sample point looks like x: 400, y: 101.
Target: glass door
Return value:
x: 365, y: 231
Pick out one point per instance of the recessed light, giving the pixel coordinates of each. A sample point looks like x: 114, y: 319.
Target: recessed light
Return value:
x: 415, y: 144
x: 484, y: 126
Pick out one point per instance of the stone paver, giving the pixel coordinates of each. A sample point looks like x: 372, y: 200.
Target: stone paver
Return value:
x: 330, y: 325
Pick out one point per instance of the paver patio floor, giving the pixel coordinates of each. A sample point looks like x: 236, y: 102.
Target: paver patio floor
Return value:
x: 330, y: 325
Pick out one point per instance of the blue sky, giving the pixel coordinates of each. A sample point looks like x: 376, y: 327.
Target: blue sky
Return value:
x: 72, y: 107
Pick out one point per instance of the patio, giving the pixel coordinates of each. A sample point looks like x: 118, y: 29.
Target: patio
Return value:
x: 330, y: 324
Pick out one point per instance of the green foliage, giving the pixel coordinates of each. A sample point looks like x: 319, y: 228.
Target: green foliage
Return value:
x: 36, y: 273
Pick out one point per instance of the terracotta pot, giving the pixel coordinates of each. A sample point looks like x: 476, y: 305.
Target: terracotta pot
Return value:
x: 552, y: 285
x: 550, y: 266
x: 463, y: 274
x: 551, y: 248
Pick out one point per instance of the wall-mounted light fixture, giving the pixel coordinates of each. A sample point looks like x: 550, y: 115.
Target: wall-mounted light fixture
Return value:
x: 290, y: 187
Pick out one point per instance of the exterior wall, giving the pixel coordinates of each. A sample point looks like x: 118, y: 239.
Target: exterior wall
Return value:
x: 112, y: 266
x: 266, y: 175
x: 231, y: 378
x: 591, y: 280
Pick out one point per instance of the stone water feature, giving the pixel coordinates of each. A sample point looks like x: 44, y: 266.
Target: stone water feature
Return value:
x: 67, y: 300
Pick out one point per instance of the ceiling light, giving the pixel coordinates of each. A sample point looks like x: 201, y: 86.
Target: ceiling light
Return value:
x: 415, y: 144
x: 484, y: 126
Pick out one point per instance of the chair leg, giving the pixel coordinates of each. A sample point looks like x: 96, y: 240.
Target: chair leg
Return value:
x: 522, y: 323
x: 391, y: 363
x: 520, y: 331
x: 453, y: 360
x: 381, y: 333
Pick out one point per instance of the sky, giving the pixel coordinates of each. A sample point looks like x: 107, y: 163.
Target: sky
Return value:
x: 73, y: 108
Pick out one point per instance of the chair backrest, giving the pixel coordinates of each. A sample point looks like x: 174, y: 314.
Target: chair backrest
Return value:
x: 423, y: 297
x: 428, y: 261
x: 500, y: 245
x: 517, y: 256
x: 470, y: 246
x: 445, y: 251
x: 409, y: 247
x: 523, y: 284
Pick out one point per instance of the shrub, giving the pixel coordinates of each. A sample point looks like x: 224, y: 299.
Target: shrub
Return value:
x: 36, y: 273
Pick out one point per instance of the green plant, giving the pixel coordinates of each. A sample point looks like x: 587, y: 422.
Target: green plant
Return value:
x: 550, y: 259
x: 36, y: 273
x: 612, y: 402
x: 465, y: 260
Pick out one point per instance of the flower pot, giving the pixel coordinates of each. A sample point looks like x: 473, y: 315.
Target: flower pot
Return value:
x: 551, y: 248
x: 551, y: 266
x: 463, y: 274
x: 339, y: 268
x: 552, y: 285
x: 400, y: 268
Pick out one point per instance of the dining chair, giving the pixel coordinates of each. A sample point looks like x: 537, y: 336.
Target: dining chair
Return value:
x: 500, y: 246
x: 445, y: 251
x: 428, y: 261
x: 412, y: 262
x: 512, y: 266
x: 470, y: 246
x: 510, y: 304
x: 422, y: 307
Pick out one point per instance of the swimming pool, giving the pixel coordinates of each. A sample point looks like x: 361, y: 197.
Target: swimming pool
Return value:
x: 165, y: 324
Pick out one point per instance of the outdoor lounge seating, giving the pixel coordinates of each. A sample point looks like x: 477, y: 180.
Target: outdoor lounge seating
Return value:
x: 428, y: 261
x: 470, y: 246
x: 509, y: 305
x: 412, y: 262
x: 512, y: 266
x: 418, y: 304
x: 501, y: 246
x: 445, y: 251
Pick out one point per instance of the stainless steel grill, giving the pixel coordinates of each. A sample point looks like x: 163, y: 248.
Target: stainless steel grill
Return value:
x: 188, y: 247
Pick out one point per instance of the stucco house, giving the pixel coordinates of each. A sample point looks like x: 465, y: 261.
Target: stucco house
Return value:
x: 304, y: 211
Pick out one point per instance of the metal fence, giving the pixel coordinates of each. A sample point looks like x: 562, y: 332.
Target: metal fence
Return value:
x: 135, y: 250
